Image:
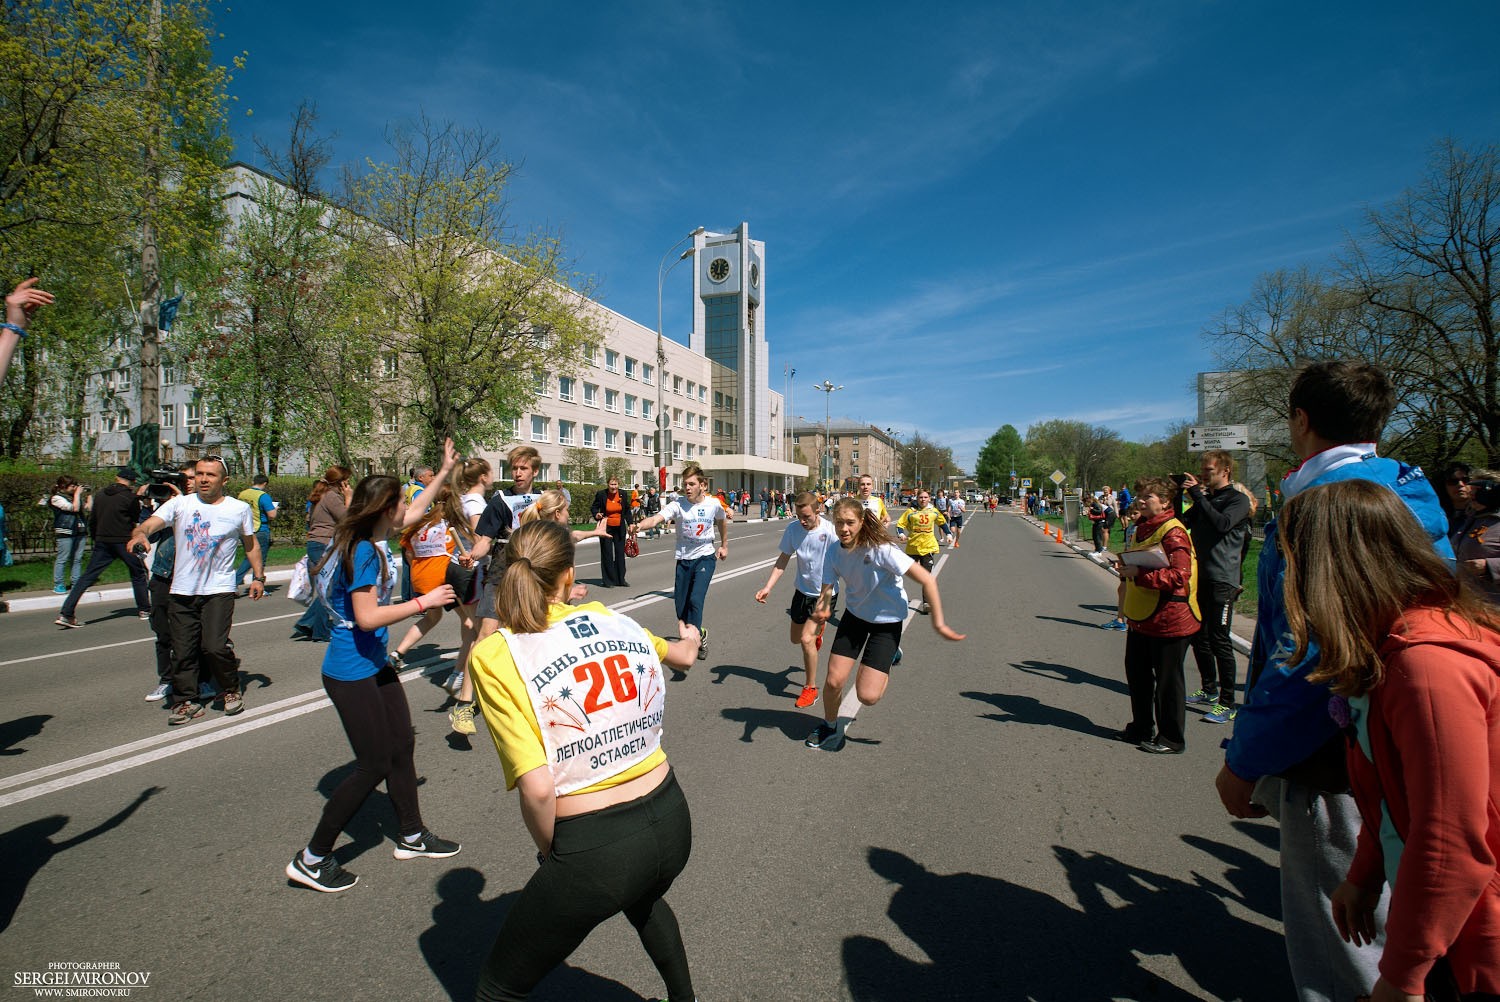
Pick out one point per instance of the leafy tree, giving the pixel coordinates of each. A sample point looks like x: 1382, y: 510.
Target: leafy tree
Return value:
x: 619, y: 468
x: 1002, y: 452
x: 476, y: 313
x: 582, y: 464
x: 1082, y: 449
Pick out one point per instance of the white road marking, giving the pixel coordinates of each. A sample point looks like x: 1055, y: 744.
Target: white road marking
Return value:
x: 161, y: 746
x: 126, y: 643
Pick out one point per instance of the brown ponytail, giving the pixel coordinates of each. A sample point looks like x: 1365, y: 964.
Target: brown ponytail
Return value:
x: 537, y: 557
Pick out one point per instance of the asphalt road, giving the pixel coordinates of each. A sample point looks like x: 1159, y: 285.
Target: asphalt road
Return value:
x: 980, y: 837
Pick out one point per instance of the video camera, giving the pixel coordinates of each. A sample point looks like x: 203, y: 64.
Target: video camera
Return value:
x: 162, y: 482
x: 1486, y: 494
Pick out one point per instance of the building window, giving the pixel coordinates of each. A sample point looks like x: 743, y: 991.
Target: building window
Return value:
x: 192, y: 414
x: 590, y: 436
x: 168, y: 416
x: 390, y: 365
x: 646, y: 409
x: 390, y: 419
x: 612, y: 401
x: 540, y: 384
x: 630, y: 364
x: 702, y: 423
x: 168, y: 377
x: 611, y: 361
x: 691, y: 388
x: 121, y: 380
x: 565, y: 432
x: 855, y: 440
x: 538, y: 428
x: 629, y: 405
x: 677, y: 385
x: 702, y: 394
x: 630, y: 442
x: 590, y: 395
x: 566, y: 387
x: 856, y: 454
x: 647, y: 372
x: 611, y: 440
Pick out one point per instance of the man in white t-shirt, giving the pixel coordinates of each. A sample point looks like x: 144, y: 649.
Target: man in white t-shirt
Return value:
x: 808, y: 538
x: 207, y: 528
x: 871, y: 500
x: 699, y: 518
x: 955, y: 516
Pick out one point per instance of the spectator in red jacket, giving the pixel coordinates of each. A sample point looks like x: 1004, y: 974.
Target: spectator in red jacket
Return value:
x: 1414, y: 659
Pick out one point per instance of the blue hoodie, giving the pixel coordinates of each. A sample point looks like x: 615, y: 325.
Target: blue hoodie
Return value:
x: 1285, y: 718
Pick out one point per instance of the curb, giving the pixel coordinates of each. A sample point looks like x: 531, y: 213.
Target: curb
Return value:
x: 111, y: 593
x: 1240, y: 643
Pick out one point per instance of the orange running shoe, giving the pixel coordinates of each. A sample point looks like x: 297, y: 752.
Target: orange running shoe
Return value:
x: 809, y: 696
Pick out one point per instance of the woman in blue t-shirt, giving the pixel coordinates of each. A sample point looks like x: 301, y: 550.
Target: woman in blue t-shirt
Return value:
x: 366, y: 690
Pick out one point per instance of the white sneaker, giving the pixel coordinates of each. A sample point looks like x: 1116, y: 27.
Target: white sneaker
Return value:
x: 455, y: 680
x: 159, y: 693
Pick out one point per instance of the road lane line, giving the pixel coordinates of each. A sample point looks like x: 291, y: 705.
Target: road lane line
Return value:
x: 127, y: 643
x: 161, y: 746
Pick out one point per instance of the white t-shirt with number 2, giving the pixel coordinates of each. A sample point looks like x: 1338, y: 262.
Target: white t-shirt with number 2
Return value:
x: 695, y: 526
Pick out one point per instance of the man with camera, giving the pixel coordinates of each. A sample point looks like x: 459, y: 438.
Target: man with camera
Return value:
x: 1219, y: 522
x: 207, y: 527
x: 116, y: 511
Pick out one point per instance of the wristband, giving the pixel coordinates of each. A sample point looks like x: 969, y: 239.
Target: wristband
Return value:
x: 12, y: 327
x: 420, y: 607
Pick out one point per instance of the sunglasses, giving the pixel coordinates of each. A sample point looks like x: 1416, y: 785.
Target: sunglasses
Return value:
x: 1458, y: 481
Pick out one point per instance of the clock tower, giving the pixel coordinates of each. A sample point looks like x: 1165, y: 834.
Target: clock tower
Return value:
x: 729, y: 329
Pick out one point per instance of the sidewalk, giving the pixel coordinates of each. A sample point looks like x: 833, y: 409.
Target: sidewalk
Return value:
x: 35, y: 601
x: 1244, y: 626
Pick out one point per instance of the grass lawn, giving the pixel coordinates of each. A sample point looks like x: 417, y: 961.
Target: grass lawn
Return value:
x: 1246, y: 603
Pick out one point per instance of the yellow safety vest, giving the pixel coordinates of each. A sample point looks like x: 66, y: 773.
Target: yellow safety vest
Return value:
x: 1141, y: 603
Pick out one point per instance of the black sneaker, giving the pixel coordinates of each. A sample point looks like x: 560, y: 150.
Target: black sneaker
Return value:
x: 327, y: 876
x: 425, y: 845
x: 702, y: 645
x: 821, y: 733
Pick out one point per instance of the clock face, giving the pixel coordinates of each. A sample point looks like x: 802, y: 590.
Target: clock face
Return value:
x: 755, y: 276
x: 718, y: 269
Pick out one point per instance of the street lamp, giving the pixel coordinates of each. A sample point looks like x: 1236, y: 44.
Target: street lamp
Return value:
x: 828, y: 391
x: 662, y: 422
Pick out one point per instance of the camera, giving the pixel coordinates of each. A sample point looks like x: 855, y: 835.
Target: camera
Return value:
x: 1486, y: 493
x: 162, y: 482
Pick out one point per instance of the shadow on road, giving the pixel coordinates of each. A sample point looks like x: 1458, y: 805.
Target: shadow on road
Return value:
x: 29, y: 848
x: 1070, y: 622
x: 464, y: 925
x: 1071, y: 675
x: 15, y: 731
x: 777, y: 683
x: 987, y: 938
x: 794, y: 725
x: 1030, y: 710
x: 372, y: 824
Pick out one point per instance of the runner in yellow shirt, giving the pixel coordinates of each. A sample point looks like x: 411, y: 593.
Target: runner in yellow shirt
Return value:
x: 918, y: 527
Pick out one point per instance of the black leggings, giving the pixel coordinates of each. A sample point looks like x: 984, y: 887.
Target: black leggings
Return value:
x: 378, y: 723
x: 619, y: 859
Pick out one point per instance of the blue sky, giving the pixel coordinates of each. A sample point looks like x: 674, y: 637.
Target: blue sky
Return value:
x: 974, y: 214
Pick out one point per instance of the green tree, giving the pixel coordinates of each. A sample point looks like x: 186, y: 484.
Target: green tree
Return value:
x: 477, y: 315
x: 1002, y: 452
x: 582, y: 465
x: 1080, y: 449
x: 289, y: 352
x: 617, y: 467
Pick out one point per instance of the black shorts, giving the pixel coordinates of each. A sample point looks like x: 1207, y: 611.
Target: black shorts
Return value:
x: 955, y: 521
x: 870, y: 644
x: 803, y: 606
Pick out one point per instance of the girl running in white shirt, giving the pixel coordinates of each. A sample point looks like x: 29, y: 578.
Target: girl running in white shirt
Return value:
x: 809, y: 539
x: 871, y: 567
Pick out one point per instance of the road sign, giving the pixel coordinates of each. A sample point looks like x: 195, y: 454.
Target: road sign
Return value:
x: 1026, y: 482
x: 1218, y: 436
x: 1058, y: 476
